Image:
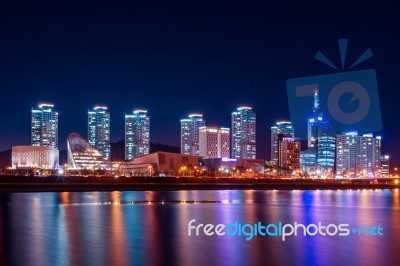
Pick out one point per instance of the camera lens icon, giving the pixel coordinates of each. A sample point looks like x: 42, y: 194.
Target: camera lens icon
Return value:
x: 359, y: 93
x: 358, y: 87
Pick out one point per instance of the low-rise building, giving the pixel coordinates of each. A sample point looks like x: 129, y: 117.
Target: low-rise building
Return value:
x: 44, y: 157
x: 161, y: 163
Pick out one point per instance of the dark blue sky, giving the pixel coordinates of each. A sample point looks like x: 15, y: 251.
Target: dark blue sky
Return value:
x: 176, y: 58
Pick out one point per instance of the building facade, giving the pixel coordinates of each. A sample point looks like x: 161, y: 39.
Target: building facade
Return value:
x: 289, y: 153
x: 190, y: 134
x: 385, y: 166
x: 214, y: 142
x: 161, y: 164
x: 82, y: 155
x: 137, y: 134
x: 308, y: 161
x: 282, y: 127
x: 358, y: 155
x: 326, y: 151
x: 44, y: 157
x: 243, y: 138
x: 99, y: 129
x: 44, y: 126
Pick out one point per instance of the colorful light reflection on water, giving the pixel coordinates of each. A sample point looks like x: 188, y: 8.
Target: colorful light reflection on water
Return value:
x: 150, y: 227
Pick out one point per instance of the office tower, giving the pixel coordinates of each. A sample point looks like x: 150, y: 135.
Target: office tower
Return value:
x: 317, y: 126
x: 214, y: 142
x: 44, y: 126
x: 326, y: 149
x: 190, y: 134
x: 99, y: 130
x: 319, y: 158
x: 137, y: 134
x: 243, y: 144
x: 358, y: 155
x: 281, y: 127
x: 288, y: 153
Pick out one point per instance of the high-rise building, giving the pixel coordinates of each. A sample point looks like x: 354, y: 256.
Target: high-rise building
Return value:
x: 317, y: 125
x: 99, y: 130
x: 190, y: 133
x: 358, y: 155
x: 319, y: 158
x: 214, y: 142
x: 137, y: 134
x: 289, y: 153
x: 346, y: 153
x: 326, y: 149
x: 281, y: 127
x: 243, y: 143
x: 44, y: 126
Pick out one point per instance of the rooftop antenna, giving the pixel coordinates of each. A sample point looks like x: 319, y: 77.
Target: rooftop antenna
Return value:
x: 316, y: 101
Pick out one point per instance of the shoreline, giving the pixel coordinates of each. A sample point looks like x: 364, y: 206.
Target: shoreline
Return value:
x: 81, y: 187
x: 11, y: 184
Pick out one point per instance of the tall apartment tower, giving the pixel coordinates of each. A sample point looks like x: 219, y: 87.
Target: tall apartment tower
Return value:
x: 214, y: 142
x: 137, y: 134
x: 190, y: 133
x: 282, y: 127
x: 44, y: 126
x: 99, y: 130
x: 358, y: 154
x: 243, y: 138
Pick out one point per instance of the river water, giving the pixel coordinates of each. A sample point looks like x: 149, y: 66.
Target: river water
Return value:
x: 151, y: 227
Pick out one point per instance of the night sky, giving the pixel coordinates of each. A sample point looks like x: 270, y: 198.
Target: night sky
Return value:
x: 174, y: 59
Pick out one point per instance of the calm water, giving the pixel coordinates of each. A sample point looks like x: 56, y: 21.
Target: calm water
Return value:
x: 151, y: 228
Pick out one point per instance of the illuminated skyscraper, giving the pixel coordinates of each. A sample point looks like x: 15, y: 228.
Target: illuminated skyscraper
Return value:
x: 243, y: 143
x: 326, y: 148
x: 317, y: 126
x: 44, y: 126
x: 214, y: 142
x: 190, y: 134
x: 137, y: 134
x: 321, y: 143
x: 358, y: 155
x: 99, y: 130
x: 282, y: 127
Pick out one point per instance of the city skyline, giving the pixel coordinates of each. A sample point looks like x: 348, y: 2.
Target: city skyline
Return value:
x: 195, y: 133
x: 100, y: 116
x: 173, y: 68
